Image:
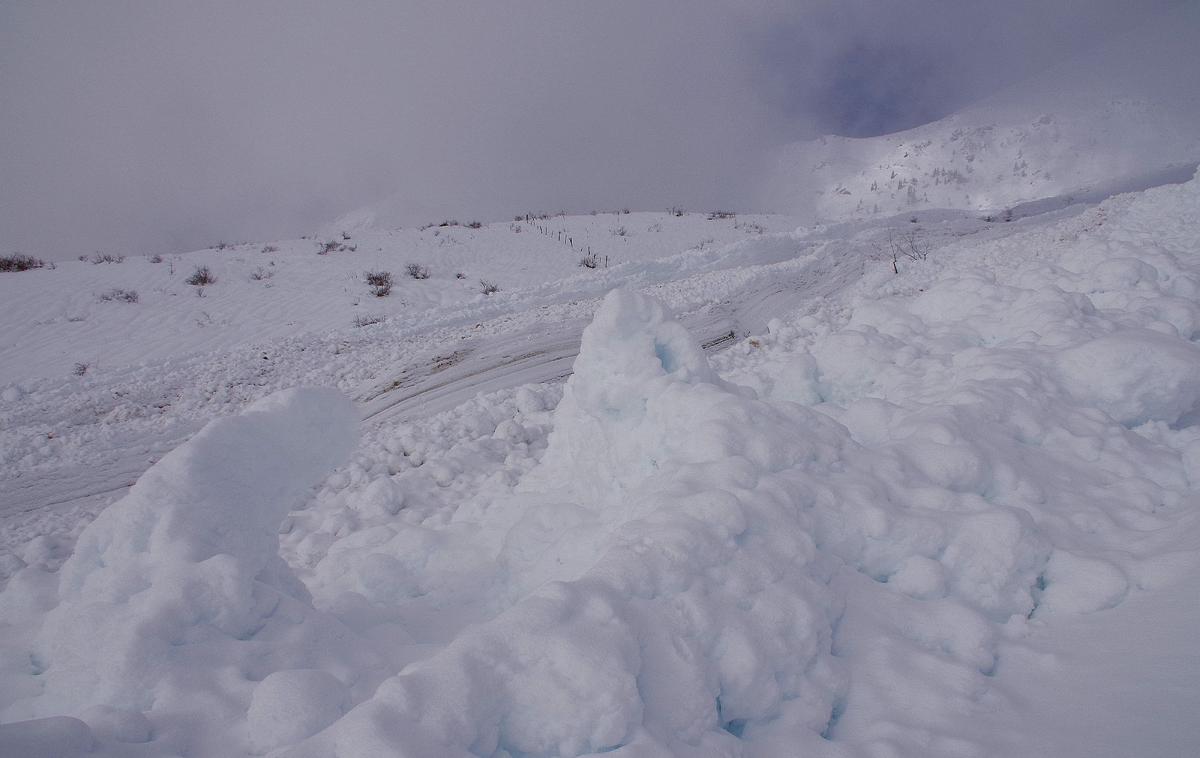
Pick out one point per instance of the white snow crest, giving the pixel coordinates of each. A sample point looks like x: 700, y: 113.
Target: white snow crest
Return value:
x: 639, y: 384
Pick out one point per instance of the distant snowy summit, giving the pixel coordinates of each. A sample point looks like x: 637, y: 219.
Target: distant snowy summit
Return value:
x: 1127, y: 109
x: 985, y: 159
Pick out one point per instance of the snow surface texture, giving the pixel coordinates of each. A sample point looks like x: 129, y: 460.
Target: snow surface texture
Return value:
x: 855, y: 534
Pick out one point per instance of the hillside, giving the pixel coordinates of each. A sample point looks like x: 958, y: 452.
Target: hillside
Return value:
x: 1124, y: 112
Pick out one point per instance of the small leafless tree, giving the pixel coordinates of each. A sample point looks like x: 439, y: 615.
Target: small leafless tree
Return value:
x: 910, y: 245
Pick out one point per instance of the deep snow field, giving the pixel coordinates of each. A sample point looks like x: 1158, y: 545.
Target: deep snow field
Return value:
x: 744, y: 492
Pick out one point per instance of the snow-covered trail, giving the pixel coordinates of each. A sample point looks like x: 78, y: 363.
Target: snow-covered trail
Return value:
x: 546, y: 354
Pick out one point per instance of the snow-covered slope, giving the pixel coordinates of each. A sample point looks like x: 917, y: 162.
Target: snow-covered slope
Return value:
x: 78, y: 312
x: 1126, y: 110
x: 872, y: 527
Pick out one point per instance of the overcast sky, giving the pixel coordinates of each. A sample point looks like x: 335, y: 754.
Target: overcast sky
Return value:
x: 165, y: 126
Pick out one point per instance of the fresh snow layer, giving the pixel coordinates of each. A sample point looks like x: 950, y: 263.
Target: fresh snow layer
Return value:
x: 914, y: 516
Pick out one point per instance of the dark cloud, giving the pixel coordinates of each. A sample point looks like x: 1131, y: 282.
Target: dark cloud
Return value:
x: 171, y: 125
x: 862, y: 67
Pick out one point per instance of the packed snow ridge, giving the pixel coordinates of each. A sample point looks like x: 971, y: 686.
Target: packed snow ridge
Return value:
x: 839, y: 537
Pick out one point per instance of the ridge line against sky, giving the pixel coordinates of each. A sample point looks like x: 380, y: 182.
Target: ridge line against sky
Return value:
x: 161, y: 127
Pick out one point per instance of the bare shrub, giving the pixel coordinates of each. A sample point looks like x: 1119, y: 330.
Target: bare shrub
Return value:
x: 380, y: 282
x: 416, y: 271
x: 366, y: 319
x: 156, y: 258
x: 20, y: 262
x: 487, y: 288
x: 202, y: 276
x: 720, y: 215
x: 460, y: 275
x: 475, y: 225
x: 81, y: 369
x: 99, y: 258
x: 589, y: 261
x: 260, y: 273
x: 335, y: 246
x: 120, y: 295
x: 270, y: 249
x: 620, y: 231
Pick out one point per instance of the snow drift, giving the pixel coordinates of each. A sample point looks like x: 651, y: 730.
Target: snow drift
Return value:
x: 175, y: 598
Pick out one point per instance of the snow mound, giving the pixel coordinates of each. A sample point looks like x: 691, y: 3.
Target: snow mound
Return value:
x: 1134, y: 376
x: 693, y: 603
x: 679, y: 563
x: 176, y: 596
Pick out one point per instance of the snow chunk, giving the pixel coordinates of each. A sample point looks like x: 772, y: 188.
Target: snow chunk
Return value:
x: 1081, y: 585
x: 165, y: 584
x: 290, y: 705
x: 642, y: 395
x: 55, y: 737
x: 118, y: 724
x: 224, y: 492
x: 920, y: 577
x: 1134, y: 376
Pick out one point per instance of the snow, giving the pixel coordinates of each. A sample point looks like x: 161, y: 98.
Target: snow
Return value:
x: 787, y: 500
